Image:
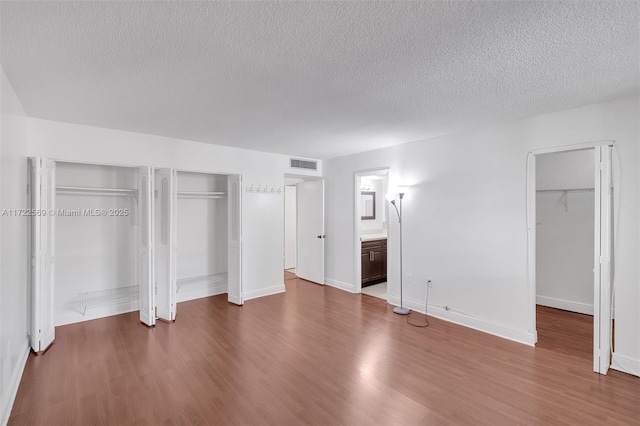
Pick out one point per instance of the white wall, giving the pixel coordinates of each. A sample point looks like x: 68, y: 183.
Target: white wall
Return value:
x: 565, y: 232
x: 290, y: 234
x: 566, y: 170
x: 14, y: 346
x: 465, y: 218
x: 263, y: 214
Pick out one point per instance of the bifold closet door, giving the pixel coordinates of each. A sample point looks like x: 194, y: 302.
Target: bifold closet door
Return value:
x: 43, y: 190
x: 234, y: 220
x: 166, y: 217
x: 145, y: 246
x: 602, y: 271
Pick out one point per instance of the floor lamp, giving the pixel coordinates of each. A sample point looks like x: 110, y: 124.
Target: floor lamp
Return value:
x: 400, y: 310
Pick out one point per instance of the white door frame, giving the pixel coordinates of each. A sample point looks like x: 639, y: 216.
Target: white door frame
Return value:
x: 602, y: 305
x: 357, y: 177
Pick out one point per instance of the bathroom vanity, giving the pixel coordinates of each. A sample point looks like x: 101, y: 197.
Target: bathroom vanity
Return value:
x: 374, y: 261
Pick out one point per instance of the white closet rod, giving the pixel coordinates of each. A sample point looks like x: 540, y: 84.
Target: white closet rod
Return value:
x: 199, y: 194
x: 567, y: 190
x: 95, y: 191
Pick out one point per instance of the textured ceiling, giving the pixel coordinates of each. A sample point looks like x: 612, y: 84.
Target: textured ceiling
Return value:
x: 314, y: 79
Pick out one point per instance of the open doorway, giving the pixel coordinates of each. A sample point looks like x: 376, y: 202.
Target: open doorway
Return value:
x: 565, y: 219
x: 570, y: 225
x: 371, y: 216
x: 290, y: 227
x: 304, y: 228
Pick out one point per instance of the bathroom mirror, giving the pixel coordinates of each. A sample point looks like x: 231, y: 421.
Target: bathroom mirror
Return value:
x: 368, y: 205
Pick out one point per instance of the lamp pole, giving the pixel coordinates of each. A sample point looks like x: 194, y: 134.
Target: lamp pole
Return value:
x: 400, y: 310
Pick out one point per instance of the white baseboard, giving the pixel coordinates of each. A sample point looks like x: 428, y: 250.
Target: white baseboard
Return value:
x: 234, y: 299
x: 267, y: 291
x: 199, y: 291
x: 9, y: 397
x: 566, y: 305
x: 341, y: 285
x: 71, y: 317
x: 520, y: 336
x: 625, y: 364
x: 199, y: 287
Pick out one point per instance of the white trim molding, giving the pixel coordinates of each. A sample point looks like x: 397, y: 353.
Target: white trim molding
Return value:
x: 10, y: 396
x: 625, y: 364
x: 520, y: 336
x: 566, y: 305
x: 268, y: 291
x: 340, y: 285
x: 199, y: 287
x: 71, y: 317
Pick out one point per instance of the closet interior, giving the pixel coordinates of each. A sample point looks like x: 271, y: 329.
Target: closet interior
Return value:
x: 202, y: 243
x: 96, y: 241
x: 106, y: 240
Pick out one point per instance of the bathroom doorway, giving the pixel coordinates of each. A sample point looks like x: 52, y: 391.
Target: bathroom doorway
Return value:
x: 371, y: 217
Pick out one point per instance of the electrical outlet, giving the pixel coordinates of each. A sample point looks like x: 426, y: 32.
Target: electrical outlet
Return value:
x: 429, y: 283
x: 408, y: 278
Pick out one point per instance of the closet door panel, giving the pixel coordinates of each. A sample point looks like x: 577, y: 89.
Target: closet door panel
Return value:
x: 234, y: 275
x: 603, y: 256
x: 43, y: 189
x: 166, y: 216
x: 145, y: 246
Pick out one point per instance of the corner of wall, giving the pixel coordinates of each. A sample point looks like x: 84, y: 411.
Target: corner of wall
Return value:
x: 262, y: 292
x: 625, y: 364
x: 12, y: 389
x: 340, y: 285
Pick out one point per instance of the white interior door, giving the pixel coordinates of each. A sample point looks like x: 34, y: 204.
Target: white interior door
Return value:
x: 310, y: 231
x: 602, y: 271
x: 43, y: 190
x: 234, y: 267
x: 166, y: 216
x: 145, y: 246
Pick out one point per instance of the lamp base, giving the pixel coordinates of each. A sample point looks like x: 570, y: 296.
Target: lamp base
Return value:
x: 400, y: 310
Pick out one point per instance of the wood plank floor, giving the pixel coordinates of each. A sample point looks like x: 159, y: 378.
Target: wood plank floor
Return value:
x: 565, y: 332
x: 314, y: 355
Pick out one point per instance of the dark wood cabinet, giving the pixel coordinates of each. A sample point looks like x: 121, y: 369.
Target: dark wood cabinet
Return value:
x: 374, y: 262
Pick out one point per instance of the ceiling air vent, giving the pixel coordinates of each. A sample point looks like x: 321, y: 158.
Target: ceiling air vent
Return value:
x: 296, y: 163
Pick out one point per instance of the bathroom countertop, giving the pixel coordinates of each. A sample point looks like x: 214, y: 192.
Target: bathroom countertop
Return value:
x: 371, y: 237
